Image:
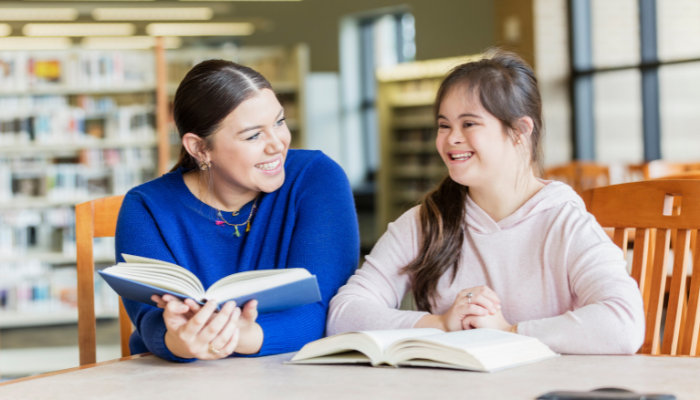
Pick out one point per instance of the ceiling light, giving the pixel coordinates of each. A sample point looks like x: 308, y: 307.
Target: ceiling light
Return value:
x: 128, y: 42
x: 38, y: 14
x: 78, y: 29
x: 201, y: 29
x: 240, y: 0
x: 5, y: 30
x: 152, y: 14
x: 35, y: 43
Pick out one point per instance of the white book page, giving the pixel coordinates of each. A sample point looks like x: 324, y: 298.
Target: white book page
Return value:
x: 151, y: 263
x: 236, y: 287
x: 179, y: 273
x: 473, y: 339
x: 163, y: 281
x: 386, y: 338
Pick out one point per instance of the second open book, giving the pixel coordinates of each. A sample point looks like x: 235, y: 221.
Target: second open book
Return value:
x: 477, y: 349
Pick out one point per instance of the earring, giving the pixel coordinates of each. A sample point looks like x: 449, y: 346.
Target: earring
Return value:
x: 205, y: 165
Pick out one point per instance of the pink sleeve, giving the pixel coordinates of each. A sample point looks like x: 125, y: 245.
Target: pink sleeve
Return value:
x: 609, y: 316
x: 371, y: 298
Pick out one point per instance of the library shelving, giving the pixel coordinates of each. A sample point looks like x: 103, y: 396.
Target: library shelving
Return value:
x: 75, y: 125
x: 284, y: 67
x: 410, y: 164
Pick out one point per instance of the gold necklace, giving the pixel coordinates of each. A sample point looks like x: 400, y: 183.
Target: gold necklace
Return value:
x: 247, y: 222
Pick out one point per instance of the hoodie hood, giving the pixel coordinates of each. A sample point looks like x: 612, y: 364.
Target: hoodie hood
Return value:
x: 553, y: 194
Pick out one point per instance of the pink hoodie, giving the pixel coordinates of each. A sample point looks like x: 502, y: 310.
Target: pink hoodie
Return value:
x: 557, y: 273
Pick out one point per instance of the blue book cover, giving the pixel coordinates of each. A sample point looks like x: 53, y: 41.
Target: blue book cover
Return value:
x: 279, y: 298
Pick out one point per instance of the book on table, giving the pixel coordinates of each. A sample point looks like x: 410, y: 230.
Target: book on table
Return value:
x: 485, y: 350
x: 275, y: 289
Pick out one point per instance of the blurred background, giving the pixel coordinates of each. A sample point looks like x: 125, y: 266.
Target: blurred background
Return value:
x: 86, y: 90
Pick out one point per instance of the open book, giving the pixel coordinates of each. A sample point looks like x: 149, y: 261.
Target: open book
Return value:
x: 476, y: 349
x: 275, y: 289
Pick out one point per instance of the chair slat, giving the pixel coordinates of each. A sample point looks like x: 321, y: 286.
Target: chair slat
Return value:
x: 674, y: 312
x: 620, y: 239
x: 653, y: 323
x: 639, y: 258
x: 692, y: 326
x: 124, y: 329
x: 646, y: 294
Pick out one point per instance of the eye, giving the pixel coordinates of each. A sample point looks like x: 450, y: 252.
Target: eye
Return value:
x: 251, y: 138
x: 468, y: 124
x: 280, y: 122
x: 443, y: 126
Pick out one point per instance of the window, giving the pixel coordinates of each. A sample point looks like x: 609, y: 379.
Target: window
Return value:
x: 636, y: 79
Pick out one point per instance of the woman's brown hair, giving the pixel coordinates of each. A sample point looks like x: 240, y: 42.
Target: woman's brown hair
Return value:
x: 507, y: 88
x: 210, y: 91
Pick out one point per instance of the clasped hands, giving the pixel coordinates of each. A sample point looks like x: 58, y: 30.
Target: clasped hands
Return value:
x: 481, y: 310
x: 195, y: 331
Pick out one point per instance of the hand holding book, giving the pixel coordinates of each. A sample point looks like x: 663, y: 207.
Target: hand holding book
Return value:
x: 193, y: 331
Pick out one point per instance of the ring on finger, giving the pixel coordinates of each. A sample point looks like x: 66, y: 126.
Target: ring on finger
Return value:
x: 469, y: 297
x: 212, y: 350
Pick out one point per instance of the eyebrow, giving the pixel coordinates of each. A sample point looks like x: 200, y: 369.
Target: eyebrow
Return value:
x: 461, y: 116
x: 252, y: 128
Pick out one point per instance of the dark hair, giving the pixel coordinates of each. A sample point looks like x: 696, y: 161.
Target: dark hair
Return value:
x: 210, y: 91
x: 507, y: 88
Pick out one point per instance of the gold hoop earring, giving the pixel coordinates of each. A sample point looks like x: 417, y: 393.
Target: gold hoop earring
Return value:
x: 205, y: 165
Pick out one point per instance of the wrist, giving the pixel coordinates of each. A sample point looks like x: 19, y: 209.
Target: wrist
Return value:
x: 513, y: 328
x: 251, y: 338
x: 175, y: 346
x: 432, y: 321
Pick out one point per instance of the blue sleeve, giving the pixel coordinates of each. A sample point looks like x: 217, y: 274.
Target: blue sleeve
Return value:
x: 325, y: 241
x: 138, y: 234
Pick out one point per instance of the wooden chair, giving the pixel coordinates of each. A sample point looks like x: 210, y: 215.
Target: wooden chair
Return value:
x: 97, y: 218
x: 683, y: 175
x: 580, y: 175
x: 648, y: 207
x: 658, y: 169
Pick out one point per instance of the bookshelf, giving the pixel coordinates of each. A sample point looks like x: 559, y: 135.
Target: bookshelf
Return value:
x: 284, y: 67
x: 75, y: 125
x: 410, y: 163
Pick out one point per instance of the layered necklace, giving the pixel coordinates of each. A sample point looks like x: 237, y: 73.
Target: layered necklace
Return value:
x: 235, y: 213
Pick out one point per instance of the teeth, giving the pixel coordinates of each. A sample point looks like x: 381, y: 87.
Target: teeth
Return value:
x: 268, y: 166
x: 462, y: 156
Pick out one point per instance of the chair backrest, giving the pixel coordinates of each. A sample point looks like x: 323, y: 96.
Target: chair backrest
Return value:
x: 580, y: 175
x: 683, y: 175
x: 648, y: 207
x: 97, y: 218
x: 659, y: 168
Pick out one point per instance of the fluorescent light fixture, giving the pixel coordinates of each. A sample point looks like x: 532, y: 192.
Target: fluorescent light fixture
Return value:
x: 5, y: 30
x: 152, y: 14
x: 201, y: 29
x: 78, y: 29
x: 35, y: 43
x: 239, y: 0
x: 128, y: 42
x: 38, y: 14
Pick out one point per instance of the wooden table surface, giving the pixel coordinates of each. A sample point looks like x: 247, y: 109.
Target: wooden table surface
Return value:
x: 150, y: 377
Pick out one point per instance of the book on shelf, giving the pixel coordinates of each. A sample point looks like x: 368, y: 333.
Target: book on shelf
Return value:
x: 485, y: 350
x: 275, y: 289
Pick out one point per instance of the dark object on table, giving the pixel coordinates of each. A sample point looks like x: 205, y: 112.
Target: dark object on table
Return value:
x: 604, y: 394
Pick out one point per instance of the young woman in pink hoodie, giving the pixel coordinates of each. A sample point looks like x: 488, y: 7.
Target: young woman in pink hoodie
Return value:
x: 494, y: 246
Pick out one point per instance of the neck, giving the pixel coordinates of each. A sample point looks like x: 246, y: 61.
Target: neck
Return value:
x: 505, y: 197
x: 218, y: 193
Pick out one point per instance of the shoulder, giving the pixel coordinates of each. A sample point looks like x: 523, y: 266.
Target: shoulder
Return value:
x: 312, y: 168
x: 575, y: 221
x: 160, y: 191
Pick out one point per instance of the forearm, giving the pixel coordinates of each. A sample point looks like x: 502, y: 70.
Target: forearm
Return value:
x: 597, y: 328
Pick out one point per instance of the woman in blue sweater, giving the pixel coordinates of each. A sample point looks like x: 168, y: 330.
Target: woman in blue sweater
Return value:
x: 238, y: 199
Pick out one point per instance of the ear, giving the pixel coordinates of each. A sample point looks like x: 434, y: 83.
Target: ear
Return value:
x: 524, y: 128
x: 194, y: 145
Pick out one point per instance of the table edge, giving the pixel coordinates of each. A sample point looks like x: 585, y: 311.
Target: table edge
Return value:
x: 64, y: 371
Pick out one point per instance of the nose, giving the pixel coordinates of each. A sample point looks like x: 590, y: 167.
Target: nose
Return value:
x: 274, y: 143
x: 455, y: 137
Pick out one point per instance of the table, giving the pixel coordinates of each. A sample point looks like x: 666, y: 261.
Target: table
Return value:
x: 150, y: 377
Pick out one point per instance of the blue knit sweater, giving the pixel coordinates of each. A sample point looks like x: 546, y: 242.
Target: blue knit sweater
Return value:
x: 310, y: 222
